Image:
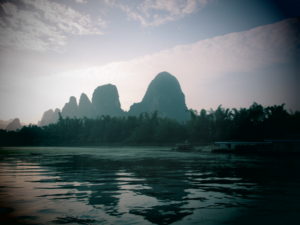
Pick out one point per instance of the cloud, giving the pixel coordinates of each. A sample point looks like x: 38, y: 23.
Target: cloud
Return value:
x: 42, y: 25
x: 200, y: 67
x: 81, y: 1
x: 156, y: 12
x: 234, y: 70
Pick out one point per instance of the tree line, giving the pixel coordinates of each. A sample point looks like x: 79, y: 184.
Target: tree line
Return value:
x: 253, y: 123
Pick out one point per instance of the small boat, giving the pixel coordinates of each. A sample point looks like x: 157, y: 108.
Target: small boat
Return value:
x: 183, y: 147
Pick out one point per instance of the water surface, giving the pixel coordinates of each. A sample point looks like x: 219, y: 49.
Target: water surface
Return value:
x: 146, y: 186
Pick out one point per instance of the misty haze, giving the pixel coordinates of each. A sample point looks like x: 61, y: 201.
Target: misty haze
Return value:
x: 149, y: 112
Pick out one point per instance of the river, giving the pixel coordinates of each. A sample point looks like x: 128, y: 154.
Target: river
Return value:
x: 146, y: 185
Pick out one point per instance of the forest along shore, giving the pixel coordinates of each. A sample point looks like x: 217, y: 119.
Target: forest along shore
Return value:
x: 257, y: 123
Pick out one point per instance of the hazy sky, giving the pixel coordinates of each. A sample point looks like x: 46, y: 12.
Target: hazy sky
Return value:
x: 229, y: 52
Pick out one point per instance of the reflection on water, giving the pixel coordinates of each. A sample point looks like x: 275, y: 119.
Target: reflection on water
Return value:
x: 145, y: 186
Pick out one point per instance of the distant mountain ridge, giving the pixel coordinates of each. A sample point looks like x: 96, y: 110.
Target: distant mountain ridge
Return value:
x: 49, y: 117
x: 163, y: 95
x: 14, y: 125
x: 4, y: 123
x: 11, y: 125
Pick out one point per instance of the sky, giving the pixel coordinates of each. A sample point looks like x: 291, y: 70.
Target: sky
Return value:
x: 223, y: 52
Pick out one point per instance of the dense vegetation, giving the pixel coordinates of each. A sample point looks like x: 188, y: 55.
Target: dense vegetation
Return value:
x: 255, y: 123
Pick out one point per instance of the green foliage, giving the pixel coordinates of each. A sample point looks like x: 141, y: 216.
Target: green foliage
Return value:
x: 255, y: 123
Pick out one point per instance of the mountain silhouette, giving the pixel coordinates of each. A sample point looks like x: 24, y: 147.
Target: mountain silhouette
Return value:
x: 85, y: 107
x: 165, y: 96
x: 49, y: 117
x: 70, y: 109
x: 106, y: 101
x: 4, y: 123
x: 14, y: 125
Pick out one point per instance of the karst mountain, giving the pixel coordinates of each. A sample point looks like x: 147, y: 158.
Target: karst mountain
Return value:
x: 163, y: 95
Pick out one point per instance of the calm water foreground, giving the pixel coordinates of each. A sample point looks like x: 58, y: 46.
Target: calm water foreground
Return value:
x: 146, y: 186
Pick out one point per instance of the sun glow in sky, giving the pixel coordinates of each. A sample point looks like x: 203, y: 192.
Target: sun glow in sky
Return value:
x: 228, y: 52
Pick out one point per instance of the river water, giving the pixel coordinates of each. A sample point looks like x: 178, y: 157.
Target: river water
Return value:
x: 149, y: 185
